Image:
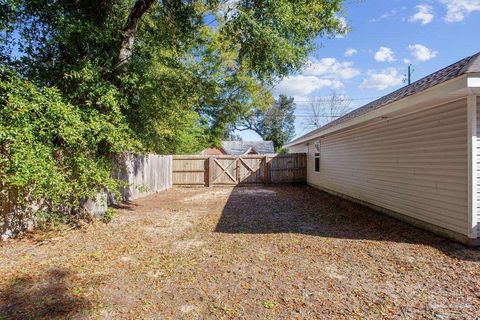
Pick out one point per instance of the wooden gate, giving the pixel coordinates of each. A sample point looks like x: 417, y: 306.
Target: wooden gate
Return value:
x: 239, y: 170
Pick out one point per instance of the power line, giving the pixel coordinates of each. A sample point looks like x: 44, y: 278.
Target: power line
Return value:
x: 314, y: 116
x: 347, y: 99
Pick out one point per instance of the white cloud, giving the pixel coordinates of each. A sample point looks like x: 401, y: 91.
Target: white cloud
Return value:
x: 424, y: 14
x: 350, y: 52
x: 421, y: 53
x: 457, y: 10
x: 384, y: 54
x: 318, y: 74
x: 301, y: 85
x: 407, y: 61
x: 331, y: 68
x: 389, y: 14
x: 386, y: 15
x: 382, y: 79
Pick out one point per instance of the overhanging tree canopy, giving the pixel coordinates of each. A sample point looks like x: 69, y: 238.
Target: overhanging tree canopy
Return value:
x: 149, y: 75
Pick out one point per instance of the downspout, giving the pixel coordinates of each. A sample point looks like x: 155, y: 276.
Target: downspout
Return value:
x: 472, y: 166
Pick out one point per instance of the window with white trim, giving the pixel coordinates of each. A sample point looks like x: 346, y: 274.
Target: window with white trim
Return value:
x: 318, y: 148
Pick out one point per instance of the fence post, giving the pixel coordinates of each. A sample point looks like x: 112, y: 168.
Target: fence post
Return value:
x: 210, y: 164
x: 267, y: 171
x: 237, y: 169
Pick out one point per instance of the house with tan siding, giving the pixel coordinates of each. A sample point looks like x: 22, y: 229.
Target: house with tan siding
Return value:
x: 413, y: 154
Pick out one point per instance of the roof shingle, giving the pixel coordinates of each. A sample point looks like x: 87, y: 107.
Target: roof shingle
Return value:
x: 241, y: 147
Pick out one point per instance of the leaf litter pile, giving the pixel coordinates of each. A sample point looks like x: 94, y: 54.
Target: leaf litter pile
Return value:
x: 289, y: 252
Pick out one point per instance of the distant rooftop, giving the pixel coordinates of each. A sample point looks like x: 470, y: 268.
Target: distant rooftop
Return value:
x: 242, y: 147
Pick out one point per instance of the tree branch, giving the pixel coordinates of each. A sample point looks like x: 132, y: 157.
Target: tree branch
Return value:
x: 249, y: 124
x: 130, y: 29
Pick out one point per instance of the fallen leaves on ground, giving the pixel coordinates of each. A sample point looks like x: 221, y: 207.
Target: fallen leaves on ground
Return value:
x: 253, y: 253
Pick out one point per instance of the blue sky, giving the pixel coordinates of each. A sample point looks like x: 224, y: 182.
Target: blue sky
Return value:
x: 385, y: 37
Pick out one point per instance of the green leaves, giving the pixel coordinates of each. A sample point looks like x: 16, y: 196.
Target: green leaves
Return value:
x: 196, y: 68
x: 51, y: 150
x: 275, y: 37
x: 275, y: 123
x: 268, y: 304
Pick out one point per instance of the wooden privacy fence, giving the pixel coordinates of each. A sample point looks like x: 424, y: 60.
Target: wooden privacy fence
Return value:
x: 195, y: 170
x: 147, y: 174
x: 143, y: 174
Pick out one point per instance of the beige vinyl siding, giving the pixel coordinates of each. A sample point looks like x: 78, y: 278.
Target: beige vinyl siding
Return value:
x: 415, y: 165
x: 299, y: 148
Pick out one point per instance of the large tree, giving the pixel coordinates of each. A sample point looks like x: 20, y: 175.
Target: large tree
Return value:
x: 178, y: 71
x: 82, y: 80
x: 275, y: 123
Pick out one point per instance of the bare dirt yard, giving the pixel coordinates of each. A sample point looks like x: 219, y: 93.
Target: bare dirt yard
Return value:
x: 240, y: 253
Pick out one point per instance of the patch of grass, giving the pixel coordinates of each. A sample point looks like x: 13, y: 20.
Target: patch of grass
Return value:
x: 268, y: 304
x: 296, y: 241
x: 23, y: 258
x: 96, y: 255
x: 108, y: 215
x: 78, y: 291
x: 222, y: 308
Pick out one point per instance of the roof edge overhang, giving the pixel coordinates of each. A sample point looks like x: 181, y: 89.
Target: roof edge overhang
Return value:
x: 473, y: 83
x: 450, y: 90
x: 250, y: 149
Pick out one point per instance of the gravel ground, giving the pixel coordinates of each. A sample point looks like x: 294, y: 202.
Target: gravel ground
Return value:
x: 288, y: 252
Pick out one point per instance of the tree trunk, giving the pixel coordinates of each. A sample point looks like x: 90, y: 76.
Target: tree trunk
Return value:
x: 130, y: 29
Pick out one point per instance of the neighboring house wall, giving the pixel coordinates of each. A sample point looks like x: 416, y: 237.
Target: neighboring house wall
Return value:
x: 212, y: 152
x: 415, y: 165
x: 300, y: 148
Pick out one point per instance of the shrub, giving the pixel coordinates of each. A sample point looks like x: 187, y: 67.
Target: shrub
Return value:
x: 53, y: 154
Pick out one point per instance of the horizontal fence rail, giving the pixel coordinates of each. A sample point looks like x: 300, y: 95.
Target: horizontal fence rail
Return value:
x: 227, y: 170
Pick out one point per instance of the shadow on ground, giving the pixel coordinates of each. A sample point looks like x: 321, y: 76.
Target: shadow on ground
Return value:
x: 305, y: 210
x: 49, y: 296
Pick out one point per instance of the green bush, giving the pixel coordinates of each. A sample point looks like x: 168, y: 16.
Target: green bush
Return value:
x: 108, y: 215
x: 51, y: 152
